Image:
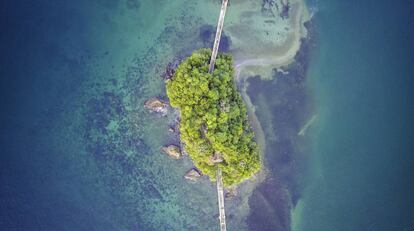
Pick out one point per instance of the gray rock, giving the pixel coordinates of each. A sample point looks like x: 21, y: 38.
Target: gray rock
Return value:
x: 192, y: 175
x: 156, y: 105
x: 231, y: 193
x: 173, y: 151
x: 216, y: 158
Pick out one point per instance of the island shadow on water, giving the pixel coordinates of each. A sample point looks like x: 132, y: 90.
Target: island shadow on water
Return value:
x: 283, y: 105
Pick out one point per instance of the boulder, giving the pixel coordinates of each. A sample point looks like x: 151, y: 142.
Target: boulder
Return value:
x: 170, y: 70
x: 216, y: 158
x: 173, y: 151
x: 192, y: 175
x: 156, y: 105
x: 230, y: 193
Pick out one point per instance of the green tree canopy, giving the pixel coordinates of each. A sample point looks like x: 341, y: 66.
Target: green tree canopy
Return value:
x: 214, y: 126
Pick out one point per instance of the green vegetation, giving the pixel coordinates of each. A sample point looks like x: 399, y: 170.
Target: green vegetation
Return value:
x: 214, y: 125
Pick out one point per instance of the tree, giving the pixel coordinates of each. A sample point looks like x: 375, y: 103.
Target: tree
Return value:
x: 214, y: 124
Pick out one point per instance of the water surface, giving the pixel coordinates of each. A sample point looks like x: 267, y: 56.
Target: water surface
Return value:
x: 78, y: 149
x: 362, y: 141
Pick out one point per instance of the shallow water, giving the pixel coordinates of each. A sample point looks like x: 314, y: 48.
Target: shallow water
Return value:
x: 283, y: 105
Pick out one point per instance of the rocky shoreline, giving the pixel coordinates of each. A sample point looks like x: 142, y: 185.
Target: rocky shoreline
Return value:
x: 160, y: 107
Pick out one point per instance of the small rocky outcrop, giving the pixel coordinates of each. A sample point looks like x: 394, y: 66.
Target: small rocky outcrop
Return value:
x: 173, y: 151
x: 216, y: 158
x: 230, y: 193
x: 170, y: 69
x: 156, y: 105
x: 193, y: 175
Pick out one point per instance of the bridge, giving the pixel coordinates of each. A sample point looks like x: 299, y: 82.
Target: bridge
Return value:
x: 220, y: 196
x: 218, y: 35
x: 220, y: 187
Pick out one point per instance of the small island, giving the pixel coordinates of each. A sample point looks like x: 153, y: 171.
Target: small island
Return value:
x: 214, y: 126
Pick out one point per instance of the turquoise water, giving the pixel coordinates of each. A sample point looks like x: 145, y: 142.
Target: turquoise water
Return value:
x: 361, y: 77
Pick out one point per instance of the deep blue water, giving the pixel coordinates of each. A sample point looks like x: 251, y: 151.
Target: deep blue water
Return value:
x: 362, y: 78
x: 41, y: 189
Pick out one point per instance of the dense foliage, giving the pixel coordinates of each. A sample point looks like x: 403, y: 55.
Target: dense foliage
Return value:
x: 214, y: 125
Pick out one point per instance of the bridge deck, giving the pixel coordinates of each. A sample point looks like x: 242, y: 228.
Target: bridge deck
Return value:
x: 220, y: 187
x: 218, y: 35
x: 220, y: 195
